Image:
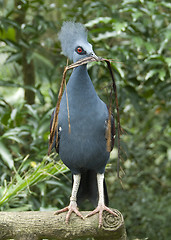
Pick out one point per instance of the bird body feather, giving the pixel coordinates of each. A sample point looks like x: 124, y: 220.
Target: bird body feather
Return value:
x: 85, y: 146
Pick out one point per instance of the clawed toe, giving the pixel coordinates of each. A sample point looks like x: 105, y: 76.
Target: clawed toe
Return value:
x: 61, y: 210
x: 69, y: 209
x: 100, y: 209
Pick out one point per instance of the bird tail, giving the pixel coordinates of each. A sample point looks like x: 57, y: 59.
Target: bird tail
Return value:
x: 88, y: 188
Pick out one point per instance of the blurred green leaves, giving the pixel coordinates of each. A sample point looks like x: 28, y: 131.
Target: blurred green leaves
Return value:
x: 41, y: 172
x: 6, y: 155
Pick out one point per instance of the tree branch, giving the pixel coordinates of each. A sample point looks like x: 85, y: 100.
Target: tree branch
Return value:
x: 39, y: 225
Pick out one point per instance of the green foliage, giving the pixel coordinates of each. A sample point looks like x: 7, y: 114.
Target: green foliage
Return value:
x: 136, y: 35
x: 19, y: 184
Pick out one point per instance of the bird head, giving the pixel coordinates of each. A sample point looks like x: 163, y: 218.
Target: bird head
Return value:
x: 73, y: 38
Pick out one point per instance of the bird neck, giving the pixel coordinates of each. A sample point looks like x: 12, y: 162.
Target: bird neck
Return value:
x: 80, y: 84
x: 80, y: 78
x: 81, y: 69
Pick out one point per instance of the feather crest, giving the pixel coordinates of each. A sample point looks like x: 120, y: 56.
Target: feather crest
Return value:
x: 69, y: 34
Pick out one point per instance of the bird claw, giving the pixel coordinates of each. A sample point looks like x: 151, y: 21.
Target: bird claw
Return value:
x: 99, y: 209
x: 69, y: 209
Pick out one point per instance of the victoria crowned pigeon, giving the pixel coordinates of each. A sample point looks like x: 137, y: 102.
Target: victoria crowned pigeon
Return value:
x: 83, y: 150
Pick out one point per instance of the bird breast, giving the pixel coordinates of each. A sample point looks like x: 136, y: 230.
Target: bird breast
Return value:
x: 85, y: 145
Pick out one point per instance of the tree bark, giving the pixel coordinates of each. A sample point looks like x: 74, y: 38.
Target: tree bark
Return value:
x: 28, y: 67
x: 39, y: 225
x: 28, y: 78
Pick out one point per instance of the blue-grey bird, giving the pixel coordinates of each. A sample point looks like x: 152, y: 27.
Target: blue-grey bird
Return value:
x: 83, y: 149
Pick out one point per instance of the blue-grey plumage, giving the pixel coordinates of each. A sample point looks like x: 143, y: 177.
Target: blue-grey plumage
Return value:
x: 83, y: 149
x: 85, y: 146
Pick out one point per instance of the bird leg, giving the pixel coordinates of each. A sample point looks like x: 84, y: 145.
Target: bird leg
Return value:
x: 101, y: 205
x: 73, y: 204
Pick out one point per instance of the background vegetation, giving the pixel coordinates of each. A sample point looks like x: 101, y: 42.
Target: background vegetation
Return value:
x: 137, y: 34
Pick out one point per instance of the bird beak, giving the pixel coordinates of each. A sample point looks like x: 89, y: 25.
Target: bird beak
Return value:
x: 92, y: 54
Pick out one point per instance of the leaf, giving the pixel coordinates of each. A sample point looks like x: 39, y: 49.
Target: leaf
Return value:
x: 9, y: 7
x: 33, y: 112
x: 105, y: 35
x: 42, y: 172
x: 126, y: 2
x: 11, y: 84
x: 120, y: 70
x: 98, y: 20
x: 24, y: 1
x: 138, y: 41
x: 12, y: 44
x: 163, y: 91
x: 162, y: 74
x: 6, y: 156
x: 23, y: 43
x: 119, y: 26
x: 168, y: 60
x: 43, y: 59
x: 10, y: 23
x: 169, y: 154
x: 136, y: 15
x: 163, y: 45
x: 13, y: 113
x: 151, y: 73
x: 135, y: 99
x: 9, y: 34
x: 14, y: 57
x: 155, y: 56
x: 150, y: 47
x: 14, y: 134
x: 166, y: 4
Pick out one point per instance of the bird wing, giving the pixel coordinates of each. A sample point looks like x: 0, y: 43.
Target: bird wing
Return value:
x: 106, y: 128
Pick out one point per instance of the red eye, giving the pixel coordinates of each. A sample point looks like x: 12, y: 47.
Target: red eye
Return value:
x: 79, y: 50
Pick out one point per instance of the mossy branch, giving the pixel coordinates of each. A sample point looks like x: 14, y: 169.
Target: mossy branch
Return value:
x: 40, y: 225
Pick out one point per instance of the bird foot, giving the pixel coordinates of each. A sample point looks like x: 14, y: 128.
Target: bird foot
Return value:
x: 99, y: 209
x: 71, y: 208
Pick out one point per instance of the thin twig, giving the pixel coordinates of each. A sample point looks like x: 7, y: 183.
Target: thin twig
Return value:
x: 109, y: 127
x: 55, y: 119
x: 118, y: 117
x: 69, y: 124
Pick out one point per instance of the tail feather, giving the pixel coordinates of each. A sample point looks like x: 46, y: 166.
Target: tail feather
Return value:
x: 88, y: 188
